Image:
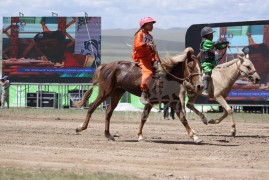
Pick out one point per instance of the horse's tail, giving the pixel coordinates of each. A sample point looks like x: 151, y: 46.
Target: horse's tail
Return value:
x: 88, y: 93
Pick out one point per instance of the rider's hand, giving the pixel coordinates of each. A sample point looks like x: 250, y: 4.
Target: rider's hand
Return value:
x: 151, y: 45
x: 222, y: 42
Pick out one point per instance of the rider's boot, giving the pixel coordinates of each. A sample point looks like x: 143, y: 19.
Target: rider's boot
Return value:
x: 144, y: 98
x: 206, y: 80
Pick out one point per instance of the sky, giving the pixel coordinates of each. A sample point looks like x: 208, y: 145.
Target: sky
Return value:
x: 126, y: 14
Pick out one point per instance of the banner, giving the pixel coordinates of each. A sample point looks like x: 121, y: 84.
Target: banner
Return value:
x: 51, y: 49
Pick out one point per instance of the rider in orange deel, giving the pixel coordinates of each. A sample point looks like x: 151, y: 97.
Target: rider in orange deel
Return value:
x: 144, y: 54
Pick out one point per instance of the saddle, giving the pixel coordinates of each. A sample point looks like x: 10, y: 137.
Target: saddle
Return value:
x: 157, y: 81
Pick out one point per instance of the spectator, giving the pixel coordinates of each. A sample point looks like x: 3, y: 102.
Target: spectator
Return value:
x: 166, y: 113
x: 5, y: 91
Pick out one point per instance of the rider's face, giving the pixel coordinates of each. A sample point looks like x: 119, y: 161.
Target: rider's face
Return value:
x: 149, y: 26
x: 210, y: 36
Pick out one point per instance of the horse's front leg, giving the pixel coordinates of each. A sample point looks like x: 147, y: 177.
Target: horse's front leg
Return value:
x: 182, y: 97
x: 181, y: 115
x: 227, y: 112
x: 190, y: 105
x: 144, y: 118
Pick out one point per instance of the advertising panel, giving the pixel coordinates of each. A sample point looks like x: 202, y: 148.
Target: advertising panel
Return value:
x: 51, y: 49
x: 253, y: 36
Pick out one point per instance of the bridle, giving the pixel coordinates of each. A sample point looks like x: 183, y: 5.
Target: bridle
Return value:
x: 240, y: 70
x: 186, y: 79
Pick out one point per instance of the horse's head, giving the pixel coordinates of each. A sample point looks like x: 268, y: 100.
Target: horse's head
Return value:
x: 193, y: 71
x: 186, y: 68
x: 247, y: 68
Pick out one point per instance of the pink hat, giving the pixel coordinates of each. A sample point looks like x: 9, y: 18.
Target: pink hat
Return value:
x: 146, y: 20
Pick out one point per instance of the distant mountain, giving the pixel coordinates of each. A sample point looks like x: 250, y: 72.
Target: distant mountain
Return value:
x: 171, y: 34
x: 117, y: 43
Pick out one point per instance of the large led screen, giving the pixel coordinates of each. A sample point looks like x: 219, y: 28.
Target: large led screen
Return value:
x: 51, y: 49
x: 251, y: 35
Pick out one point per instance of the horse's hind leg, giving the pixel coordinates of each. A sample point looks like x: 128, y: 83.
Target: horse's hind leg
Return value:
x: 144, y: 118
x: 181, y: 115
x: 115, y: 97
x: 227, y: 112
x: 100, y: 98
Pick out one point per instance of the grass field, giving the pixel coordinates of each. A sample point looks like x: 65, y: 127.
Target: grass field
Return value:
x: 20, y: 174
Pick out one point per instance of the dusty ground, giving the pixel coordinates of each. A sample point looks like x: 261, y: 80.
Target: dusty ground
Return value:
x: 46, y: 139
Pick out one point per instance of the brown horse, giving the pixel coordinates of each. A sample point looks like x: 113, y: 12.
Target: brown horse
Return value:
x: 223, y: 78
x: 116, y: 78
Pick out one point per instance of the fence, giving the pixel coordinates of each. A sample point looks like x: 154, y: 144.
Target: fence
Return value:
x: 46, y: 95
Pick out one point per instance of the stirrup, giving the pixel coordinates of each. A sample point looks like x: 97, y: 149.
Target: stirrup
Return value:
x: 144, y: 98
x: 205, y: 92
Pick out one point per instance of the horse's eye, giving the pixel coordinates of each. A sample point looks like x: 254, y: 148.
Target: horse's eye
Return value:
x: 191, y: 68
x: 248, y: 67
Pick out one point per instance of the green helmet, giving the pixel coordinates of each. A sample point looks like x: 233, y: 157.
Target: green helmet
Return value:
x: 206, y: 31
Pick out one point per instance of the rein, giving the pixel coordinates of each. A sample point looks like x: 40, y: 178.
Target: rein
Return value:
x: 223, y: 54
x: 178, y: 78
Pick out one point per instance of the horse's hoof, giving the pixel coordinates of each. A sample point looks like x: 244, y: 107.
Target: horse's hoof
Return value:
x: 197, y: 140
x: 141, y: 140
x: 233, y: 133
x: 110, y: 138
x: 78, y: 130
x: 204, y: 121
x: 211, y: 121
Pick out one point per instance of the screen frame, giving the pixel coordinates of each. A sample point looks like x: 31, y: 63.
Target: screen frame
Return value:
x: 193, y: 39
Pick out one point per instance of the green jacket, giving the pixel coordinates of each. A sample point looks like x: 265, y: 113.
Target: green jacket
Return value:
x: 207, y: 49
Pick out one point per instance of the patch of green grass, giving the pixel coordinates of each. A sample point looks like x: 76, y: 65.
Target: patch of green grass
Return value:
x: 18, y: 174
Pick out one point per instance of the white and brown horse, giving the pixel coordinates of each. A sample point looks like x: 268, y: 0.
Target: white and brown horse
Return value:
x: 222, y: 79
x: 116, y: 78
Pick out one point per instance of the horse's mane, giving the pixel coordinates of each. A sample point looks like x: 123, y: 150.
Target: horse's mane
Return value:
x: 168, y: 62
x: 227, y: 64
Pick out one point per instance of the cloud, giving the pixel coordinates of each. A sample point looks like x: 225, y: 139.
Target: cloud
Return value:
x: 127, y: 13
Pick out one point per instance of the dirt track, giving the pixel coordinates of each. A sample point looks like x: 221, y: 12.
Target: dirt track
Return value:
x: 46, y: 139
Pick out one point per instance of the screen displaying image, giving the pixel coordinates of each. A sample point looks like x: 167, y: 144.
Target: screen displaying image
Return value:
x: 51, y: 49
x: 253, y: 38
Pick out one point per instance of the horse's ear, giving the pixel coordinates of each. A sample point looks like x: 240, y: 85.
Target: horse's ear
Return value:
x: 241, y: 58
x: 247, y: 56
x: 189, y: 51
x: 240, y: 53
